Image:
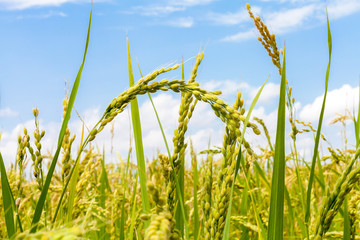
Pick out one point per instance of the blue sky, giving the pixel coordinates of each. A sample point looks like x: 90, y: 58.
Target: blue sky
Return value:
x: 42, y: 43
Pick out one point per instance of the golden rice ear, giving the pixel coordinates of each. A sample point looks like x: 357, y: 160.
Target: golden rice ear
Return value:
x: 267, y: 40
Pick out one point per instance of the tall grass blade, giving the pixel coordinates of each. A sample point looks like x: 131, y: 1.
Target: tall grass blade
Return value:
x: 180, y: 205
x: 196, y: 207
x: 7, y: 200
x: 73, y: 183
x: 244, y: 209
x: 178, y: 215
x: 135, y: 117
x: 133, y: 210
x: 261, y: 172
x: 318, y: 132
x: 276, y: 215
x: 346, y: 221
x: 122, y: 221
x: 104, y: 185
x: 226, y: 234
x: 157, y: 117
x: 72, y: 192
x: 357, y: 122
x: 42, y: 199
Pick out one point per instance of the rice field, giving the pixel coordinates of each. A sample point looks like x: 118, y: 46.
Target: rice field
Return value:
x: 229, y: 192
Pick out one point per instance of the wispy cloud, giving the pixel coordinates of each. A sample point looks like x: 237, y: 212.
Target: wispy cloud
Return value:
x: 268, y: 94
x: 155, y: 10
x: 227, y: 87
x: 185, y: 22
x: 231, y: 18
x: 44, y: 15
x: 306, y: 14
x: 24, y: 4
x: 7, y: 112
x: 337, y: 101
x: 291, y: 19
x: 166, y: 9
x: 343, y: 8
x: 241, y: 36
x: 190, y: 2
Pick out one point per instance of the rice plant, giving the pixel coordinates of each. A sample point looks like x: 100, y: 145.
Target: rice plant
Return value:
x: 231, y: 192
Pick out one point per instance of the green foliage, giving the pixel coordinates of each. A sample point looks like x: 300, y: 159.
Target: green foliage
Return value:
x: 239, y: 194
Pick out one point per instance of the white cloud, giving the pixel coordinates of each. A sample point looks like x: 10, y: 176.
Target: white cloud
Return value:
x: 7, y: 112
x: 155, y: 10
x: 289, y: 20
x: 167, y: 105
x: 278, y: 22
x: 23, y: 4
x: 305, y: 14
x: 241, y: 36
x: 185, y: 22
x: 166, y: 9
x: 44, y: 15
x: 227, y: 87
x: 342, y: 8
x: 337, y: 101
x: 268, y: 94
x: 190, y: 2
x: 231, y: 18
x: 203, y: 126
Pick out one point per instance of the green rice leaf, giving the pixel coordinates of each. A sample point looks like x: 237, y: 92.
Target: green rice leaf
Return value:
x: 291, y: 211
x: 72, y: 192
x: 180, y: 207
x: 104, y: 185
x: 318, y: 132
x: 122, y: 221
x: 346, y: 221
x: 179, y: 218
x: 276, y: 215
x: 357, y: 122
x: 196, y: 207
x: 226, y: 234
x: 133, y: 210
x: 261, y: 172
x: 135, y: 117
x: 8, y: 200
x: 42, y: 199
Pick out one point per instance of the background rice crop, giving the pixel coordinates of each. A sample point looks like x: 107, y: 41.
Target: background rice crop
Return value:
x: 235, y: 190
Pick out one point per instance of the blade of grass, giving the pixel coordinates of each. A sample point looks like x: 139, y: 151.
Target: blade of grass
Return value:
x: 320, y: 178
x: 122, y: 221
x: 73, y: 183
x: 357, y: 122
x: 196, y: 207
x: 72, y: 192
x: 43, y: 195
x: 259, y: 221
x: 181, y: 204
x: 135, y: 117
x: 104, y: 184
x: 318, y: 132
x: 346, y: 220
x: 244, y: 209
x: 291, y: 212
x: 104, y: 173
x: 133, y: 210
x: 276, y: 215
x: 228, y: 215
x: 157, y: 117
x: 261, y: 172
x: 8, y: 200
x: 178, y: 215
